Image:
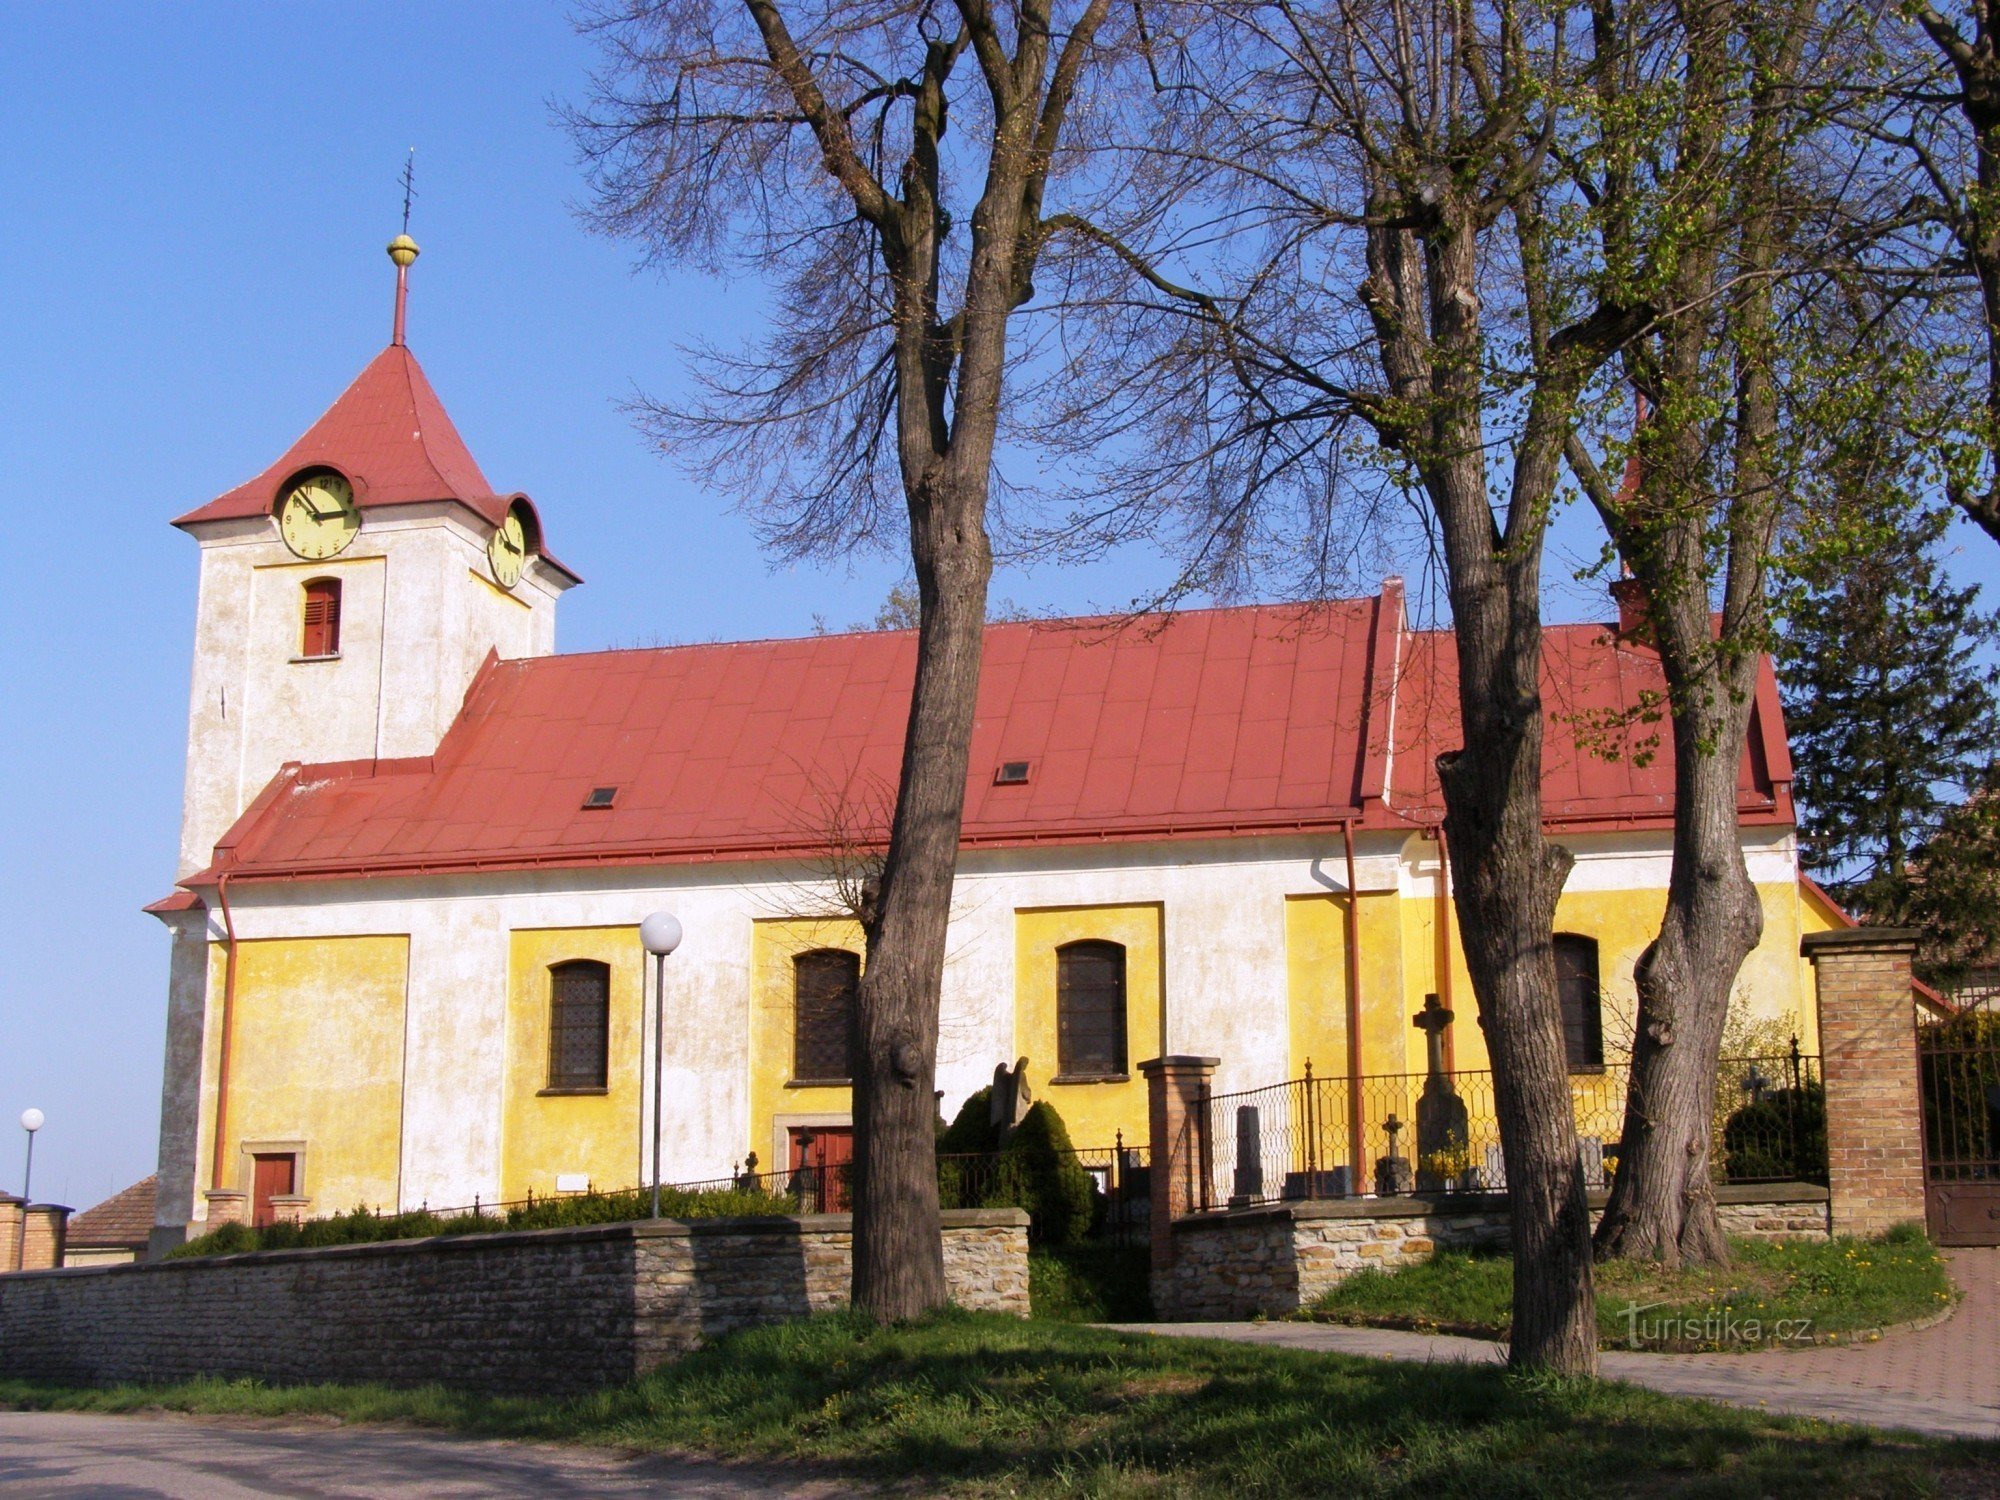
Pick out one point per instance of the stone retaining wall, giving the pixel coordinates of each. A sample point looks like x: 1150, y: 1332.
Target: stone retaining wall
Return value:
x: 1275, y: 1260
x: 547, y: 1310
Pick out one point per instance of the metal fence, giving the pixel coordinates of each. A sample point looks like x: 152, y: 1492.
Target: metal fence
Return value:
x: 1118, y: 1188
x: 1959, y: 1082
x: 1118, y: 1179
x: 1391, y: 1134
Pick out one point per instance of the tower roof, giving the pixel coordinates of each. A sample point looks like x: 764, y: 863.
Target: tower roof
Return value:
x: 388, y: 433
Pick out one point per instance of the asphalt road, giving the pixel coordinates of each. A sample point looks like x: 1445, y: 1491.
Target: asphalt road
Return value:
x: 195, y: 1458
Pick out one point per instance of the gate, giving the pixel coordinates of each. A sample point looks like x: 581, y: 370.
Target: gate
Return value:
x: 1959, y: 1062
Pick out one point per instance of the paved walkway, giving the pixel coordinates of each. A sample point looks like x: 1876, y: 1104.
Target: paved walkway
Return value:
x: 193, y: 1458
x: 1944, y: 1381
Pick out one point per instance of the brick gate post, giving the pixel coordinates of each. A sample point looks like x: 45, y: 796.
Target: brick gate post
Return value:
x: 1868, y: 1057
x: 1180, y: 1154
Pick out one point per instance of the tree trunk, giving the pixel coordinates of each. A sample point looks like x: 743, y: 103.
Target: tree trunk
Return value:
x: 1662, y: 1204
x: 898, y: 1239
x: 1507, y: 880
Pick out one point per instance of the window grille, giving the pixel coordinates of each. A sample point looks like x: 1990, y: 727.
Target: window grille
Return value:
x: 579, y: 1024
x: 1582, y: 1008
x: 824, y: 983
x: 1090, y: 1008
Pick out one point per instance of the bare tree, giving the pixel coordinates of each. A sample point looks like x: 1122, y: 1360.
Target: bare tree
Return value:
x: 884, y: 165
x: 1396, y: 160
x: 1943, y: 120
x: 1696, y: 522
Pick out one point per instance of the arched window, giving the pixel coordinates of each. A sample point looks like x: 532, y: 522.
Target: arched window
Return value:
x: 579, y: 1024
x: 1090, y: 1009
x: 321, y: 636
x: 824, y: 983
x: 1583, y: 1014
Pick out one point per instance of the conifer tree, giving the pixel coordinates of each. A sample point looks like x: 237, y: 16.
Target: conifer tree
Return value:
x: 1891, y: 711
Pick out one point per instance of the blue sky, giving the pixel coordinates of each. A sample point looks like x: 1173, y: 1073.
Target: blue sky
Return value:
x: 196, y: 200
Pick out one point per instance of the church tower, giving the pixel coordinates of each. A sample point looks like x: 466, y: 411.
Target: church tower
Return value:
x: 350, y: 592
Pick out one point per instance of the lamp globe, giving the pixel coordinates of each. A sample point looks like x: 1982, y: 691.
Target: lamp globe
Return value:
x: 660, y: 933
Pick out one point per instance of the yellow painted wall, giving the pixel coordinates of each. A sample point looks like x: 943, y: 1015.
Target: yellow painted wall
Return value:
x: 1399, y: 967
x: 1094, y: 1112
x: 774, y: 945
x: 1316, y: 983
x: 595, y: 1135
x: 316, y: 1057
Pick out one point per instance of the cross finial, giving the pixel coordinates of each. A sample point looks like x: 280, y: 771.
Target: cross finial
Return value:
x: 403, y: 249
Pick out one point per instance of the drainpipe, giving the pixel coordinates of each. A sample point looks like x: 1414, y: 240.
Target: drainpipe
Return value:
x: 228, y: 1020
x: 1443, y: 925
x: 1354, y: 1142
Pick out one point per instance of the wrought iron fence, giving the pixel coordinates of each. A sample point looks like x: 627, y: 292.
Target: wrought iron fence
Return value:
x: 1391, y: 1134
x: 1118, y: 1193
x: 1959, y: 1079
x: 1116, y: 1178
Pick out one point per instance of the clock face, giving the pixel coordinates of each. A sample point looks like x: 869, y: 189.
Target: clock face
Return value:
x: 507, y: 551
x: 318, y: 516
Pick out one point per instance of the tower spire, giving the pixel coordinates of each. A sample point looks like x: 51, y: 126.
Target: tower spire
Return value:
x: 403, y: 250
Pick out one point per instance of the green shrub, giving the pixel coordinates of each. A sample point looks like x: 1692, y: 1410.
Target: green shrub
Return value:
x: 569, y: 1211
x: 970, y: 1132
x: 1091, y: 1283
x: 1040, y: 1165
x: 1781, y: 1137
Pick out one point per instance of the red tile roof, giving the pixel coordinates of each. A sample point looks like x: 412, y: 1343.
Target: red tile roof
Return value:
x: 123, y: 1219
x: 389, y: 434
x: 1215, y: 722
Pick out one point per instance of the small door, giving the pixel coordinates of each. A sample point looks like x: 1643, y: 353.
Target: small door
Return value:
x: 274, y: 1178
x: 819, y: 1165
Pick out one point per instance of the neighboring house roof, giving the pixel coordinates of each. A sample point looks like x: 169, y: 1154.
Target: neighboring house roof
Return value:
x: 123, y: 1219
x: 390, y: 435
x: 1221, y: 722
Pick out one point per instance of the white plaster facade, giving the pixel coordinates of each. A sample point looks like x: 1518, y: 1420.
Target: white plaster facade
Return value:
x: 419, y: 613
x: 1224, y: 963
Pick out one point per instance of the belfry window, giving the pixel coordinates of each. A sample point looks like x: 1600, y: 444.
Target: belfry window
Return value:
x: 579, y: 1024
x: 1582, y: 1010
x: 824, y: 983
x: 321, y: 636
x: 1090, y: 1009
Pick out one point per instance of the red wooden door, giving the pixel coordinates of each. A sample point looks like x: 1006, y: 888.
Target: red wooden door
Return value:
x: 819, y: 1166
x: 273, y: 1179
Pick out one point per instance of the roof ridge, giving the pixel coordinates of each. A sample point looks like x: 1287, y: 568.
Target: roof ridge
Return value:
x: 409, y: 363
x: 872, y: 631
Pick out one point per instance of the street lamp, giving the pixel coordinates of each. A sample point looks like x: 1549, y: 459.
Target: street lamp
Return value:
x: 31, y: 1121
x: 659, y: 934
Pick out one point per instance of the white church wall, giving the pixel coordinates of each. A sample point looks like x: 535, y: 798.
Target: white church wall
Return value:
x: 1224, y: 966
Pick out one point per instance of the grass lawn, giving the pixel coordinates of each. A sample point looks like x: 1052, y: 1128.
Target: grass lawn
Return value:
x: 987, y: 1405
x: 1835, y: 1288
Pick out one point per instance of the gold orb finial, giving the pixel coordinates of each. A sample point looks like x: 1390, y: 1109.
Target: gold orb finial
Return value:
x: 403, y: 250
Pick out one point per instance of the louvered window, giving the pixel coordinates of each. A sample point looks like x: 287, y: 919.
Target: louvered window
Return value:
x: 1582, y: 1012
x: 824, y: 983
x: 1090, y: 1009
x: 322, y: 618
x: 579, y: 1024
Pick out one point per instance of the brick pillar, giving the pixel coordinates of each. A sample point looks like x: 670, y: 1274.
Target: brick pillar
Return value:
x: 1868, y: 1051
x: 48, y: 1226
x: 1179, y: 1174
x: 226, y: 1206
x: 10, y: 1232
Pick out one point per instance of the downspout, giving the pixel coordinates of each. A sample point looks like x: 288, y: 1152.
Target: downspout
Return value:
x: 228, y: 1020
x: 1358, y: 1184
x: 1444, y: 942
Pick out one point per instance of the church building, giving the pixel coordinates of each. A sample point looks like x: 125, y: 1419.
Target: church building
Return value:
x: 417, y: 845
